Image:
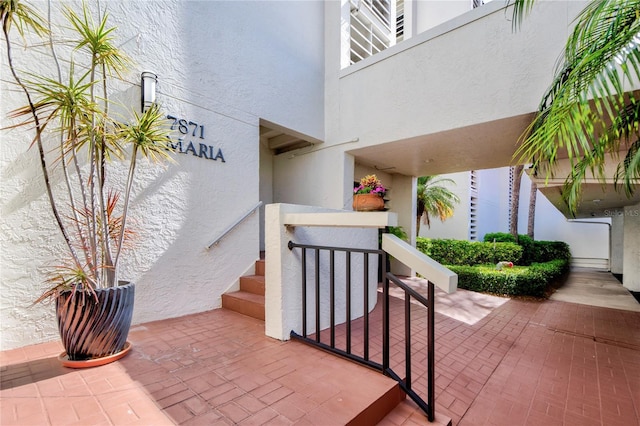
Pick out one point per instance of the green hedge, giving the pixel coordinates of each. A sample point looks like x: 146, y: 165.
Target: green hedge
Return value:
x: 533, y: 251
x: 460, y: 252
x: 499, y: 237
x: 474, y: 262
x: 518, y: 281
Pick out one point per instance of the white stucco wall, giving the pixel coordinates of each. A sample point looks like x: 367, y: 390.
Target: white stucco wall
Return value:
x: 224, y: 65
x: 429, y: 13
x: 493, y: 201
x: 438, y: 80
x: 426, y: 86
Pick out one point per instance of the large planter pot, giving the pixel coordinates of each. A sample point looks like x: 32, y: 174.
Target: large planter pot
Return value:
x: 92, y: 329
x: 367, y: 202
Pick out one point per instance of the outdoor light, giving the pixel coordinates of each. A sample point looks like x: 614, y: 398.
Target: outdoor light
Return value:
x: 148, y: 89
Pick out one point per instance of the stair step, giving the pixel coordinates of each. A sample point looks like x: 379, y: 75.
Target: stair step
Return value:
x: 245, y: 303
x: 377, y: 409
x: 252, y: 284
x: 260, y: 267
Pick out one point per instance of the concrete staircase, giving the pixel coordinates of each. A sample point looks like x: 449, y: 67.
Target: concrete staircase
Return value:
x: 249, y: 300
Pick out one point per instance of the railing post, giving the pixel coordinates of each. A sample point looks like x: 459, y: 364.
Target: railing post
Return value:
x: 304, y: 291
x: 348, y: 299
x: 385, y: 315
x: 366, y: 306
x: 318, y: 295
x: 407, y: 339
x: 431, y: 350
x: 332, y: 296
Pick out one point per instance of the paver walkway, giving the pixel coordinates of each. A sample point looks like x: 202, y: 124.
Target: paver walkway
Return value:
x: 213, y: 368
x: 534, y: 363
x: 498, y: 362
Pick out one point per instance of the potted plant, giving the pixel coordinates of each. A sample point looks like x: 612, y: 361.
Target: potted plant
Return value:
x: 71, y: 115
x: 369, y: 195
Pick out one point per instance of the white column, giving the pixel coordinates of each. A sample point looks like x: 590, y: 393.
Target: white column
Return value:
x: 631, y: 261
x: 617, y: 244
x: 403, y: 202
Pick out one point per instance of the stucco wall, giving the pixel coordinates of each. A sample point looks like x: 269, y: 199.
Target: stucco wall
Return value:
x: 445, y: 81
x: 429, y: 13
x: 435, y: 81
x: 224, y: 65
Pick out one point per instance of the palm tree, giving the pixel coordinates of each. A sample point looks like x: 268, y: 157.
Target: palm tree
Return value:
x: 434, y: 200
x: 586, y: 111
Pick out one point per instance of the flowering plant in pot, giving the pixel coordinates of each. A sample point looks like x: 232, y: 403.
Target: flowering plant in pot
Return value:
x: 369, y: 195
x: 81, y: 142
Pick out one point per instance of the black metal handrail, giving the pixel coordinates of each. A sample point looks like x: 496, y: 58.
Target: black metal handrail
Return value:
x: 347, y: 351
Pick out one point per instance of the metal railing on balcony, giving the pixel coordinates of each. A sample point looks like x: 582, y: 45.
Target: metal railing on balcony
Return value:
x: 369, y: 355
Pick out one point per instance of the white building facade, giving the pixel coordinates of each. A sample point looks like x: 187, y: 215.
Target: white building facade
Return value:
x: 289, y: 121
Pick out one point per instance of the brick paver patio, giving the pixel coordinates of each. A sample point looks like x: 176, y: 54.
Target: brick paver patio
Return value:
x: 537, y: 363
x: 498, y: 362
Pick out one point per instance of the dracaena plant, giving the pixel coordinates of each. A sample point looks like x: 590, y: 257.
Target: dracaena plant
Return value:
x: 70, y: 114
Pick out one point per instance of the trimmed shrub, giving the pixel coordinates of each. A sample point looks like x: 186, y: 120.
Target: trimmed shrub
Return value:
x: 519, y: 281
x: 460, y: 252
x: 547, y: 251
x: 533, y: 251
x: 499, y: 237
x: 474, y: 262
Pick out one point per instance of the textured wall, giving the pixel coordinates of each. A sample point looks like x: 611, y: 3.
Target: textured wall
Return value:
x: 224, y: 65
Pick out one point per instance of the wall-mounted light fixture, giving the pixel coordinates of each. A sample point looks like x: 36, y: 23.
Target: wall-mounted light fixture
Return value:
x: 148, y: 89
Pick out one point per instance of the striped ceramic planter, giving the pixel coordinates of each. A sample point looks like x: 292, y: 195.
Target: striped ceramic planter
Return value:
x: 91, y: 329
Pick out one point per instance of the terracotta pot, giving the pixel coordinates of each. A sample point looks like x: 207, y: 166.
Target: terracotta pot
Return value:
x: 91, y: 329
x: 367, y: 202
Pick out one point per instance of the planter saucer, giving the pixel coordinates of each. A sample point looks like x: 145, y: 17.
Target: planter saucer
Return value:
x: 95, y: 362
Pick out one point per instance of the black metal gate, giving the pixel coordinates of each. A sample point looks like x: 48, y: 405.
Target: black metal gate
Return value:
x: 345, y: 347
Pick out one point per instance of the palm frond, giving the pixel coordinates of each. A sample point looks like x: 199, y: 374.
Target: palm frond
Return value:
x: 434, y: 199
x: 98, y: 40
x: 628, y: 171
x: 19, y: 14
x: 149, y: 134
x: 585, y: 111
x: 521, y: 8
